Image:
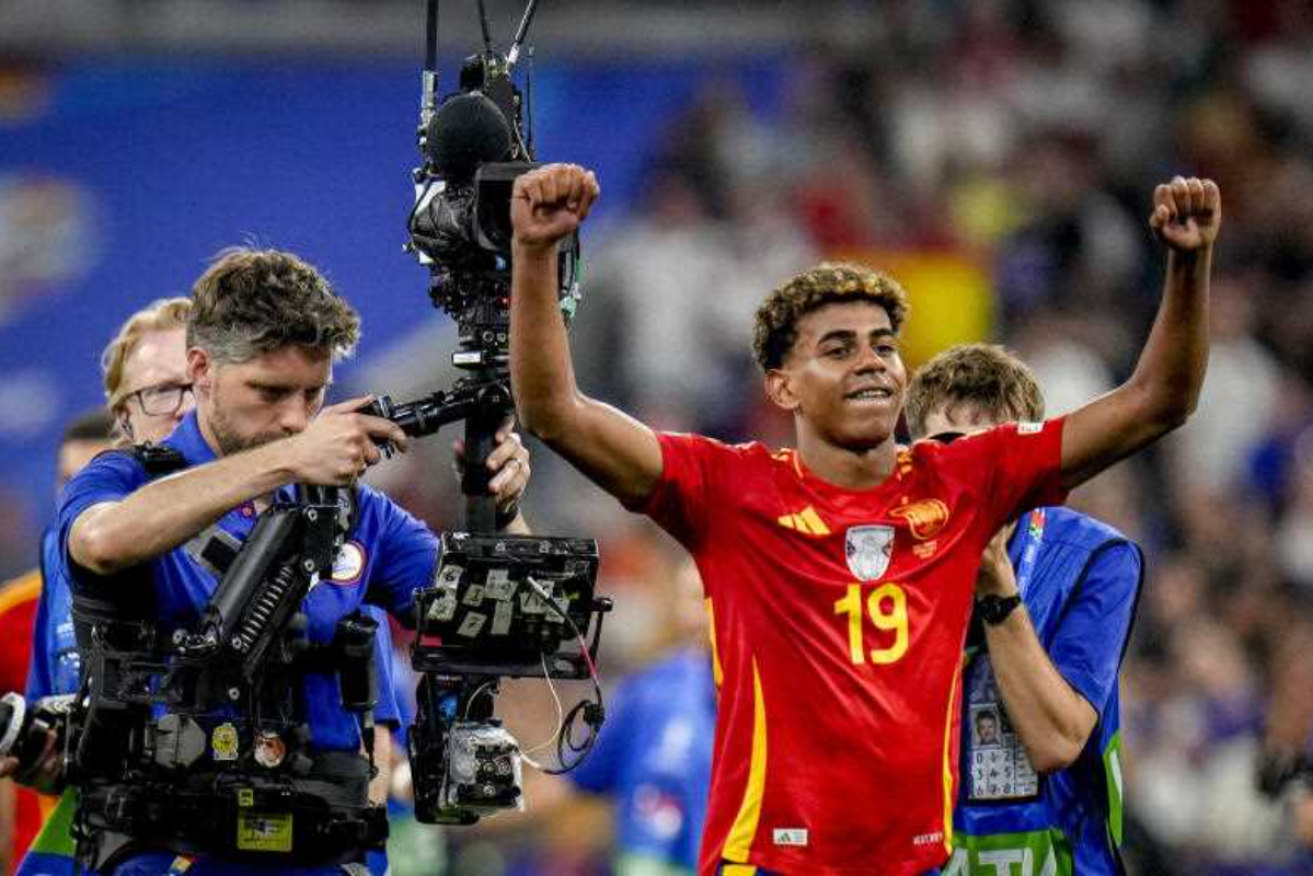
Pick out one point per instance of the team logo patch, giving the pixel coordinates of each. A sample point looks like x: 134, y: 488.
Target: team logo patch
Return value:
x: 868, y: 550
x: 925, y: 518
x: 349, y: 563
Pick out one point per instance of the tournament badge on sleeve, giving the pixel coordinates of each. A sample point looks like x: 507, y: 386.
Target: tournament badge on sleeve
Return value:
x: 869, y: 549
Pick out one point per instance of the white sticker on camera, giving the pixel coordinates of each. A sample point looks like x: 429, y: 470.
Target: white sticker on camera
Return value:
x: 443, y: 608
x: 502, y: 615
x: 500, y: 586
x: 472, y: 625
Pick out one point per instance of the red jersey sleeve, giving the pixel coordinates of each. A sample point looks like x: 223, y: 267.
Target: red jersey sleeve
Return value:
x: 689, y: 468
x: 1020, y: 465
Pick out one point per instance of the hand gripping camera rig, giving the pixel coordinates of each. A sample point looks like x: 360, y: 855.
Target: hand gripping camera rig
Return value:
x: 500, y: 606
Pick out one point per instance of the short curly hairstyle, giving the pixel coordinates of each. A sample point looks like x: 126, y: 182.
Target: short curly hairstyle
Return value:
x: 985, y: 377
x: 776, y: 328
x: 250, y: 302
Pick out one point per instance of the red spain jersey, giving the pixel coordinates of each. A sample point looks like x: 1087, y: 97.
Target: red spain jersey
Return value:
x: 838, y: 618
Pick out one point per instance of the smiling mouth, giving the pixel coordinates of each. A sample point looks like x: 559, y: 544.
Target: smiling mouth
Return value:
x: 870, y: 394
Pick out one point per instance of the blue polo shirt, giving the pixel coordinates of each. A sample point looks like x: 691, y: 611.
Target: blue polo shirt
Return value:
x: 55, y: 666
x: 653, y: 758
x: 1080, y: 581
x: 388, y: 555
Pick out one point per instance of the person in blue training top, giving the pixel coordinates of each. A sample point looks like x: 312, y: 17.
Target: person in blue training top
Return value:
x: 1055, y: 599
x: 654, y: 758
x: 147, y: 394
x: 264, y: 332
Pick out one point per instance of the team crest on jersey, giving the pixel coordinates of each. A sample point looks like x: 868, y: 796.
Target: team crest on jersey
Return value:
x: 869, y: 549
x: 925, y: 518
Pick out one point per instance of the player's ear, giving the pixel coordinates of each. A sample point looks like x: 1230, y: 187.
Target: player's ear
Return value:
x: 779, y: 389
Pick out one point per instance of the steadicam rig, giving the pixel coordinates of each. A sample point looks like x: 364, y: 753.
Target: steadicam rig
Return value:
x: 500, y: 606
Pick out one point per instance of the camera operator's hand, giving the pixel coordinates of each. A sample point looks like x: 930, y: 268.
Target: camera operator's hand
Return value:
x: 508, y: 464
x: 995, y: 576
x: 339, y: 444
x: 550, y: 203
x: 45, y: 775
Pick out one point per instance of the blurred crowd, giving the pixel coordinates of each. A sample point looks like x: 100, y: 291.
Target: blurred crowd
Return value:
x: 1023, y: 137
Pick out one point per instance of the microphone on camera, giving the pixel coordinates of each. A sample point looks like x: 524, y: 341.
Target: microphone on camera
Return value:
x: 466, y: 131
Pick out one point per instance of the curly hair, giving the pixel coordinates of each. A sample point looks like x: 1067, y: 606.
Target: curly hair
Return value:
x: 250, y: 302
x: 776, y: 327
x: 986, y: 377
x: 158, y: 316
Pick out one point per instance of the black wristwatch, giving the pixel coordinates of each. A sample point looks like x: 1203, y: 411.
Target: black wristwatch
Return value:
x: 995, y: 609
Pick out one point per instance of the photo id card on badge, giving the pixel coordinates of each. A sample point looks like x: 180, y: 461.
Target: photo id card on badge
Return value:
x: 997, y: 766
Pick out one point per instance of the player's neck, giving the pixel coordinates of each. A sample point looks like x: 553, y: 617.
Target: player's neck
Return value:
x: 844, y: 467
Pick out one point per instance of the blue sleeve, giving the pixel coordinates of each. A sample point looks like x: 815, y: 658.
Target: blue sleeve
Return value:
x: 40, y: 677
x: 387, y: 710
x: 1088, y: 644
x: 107, y: 478
x: 602, y: 771
x: 407, y: 553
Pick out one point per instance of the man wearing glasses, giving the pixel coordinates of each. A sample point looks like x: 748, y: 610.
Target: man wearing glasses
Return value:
x: 145, y: 367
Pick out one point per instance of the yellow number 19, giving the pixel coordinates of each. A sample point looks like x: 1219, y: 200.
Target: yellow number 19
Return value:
x: 887, y: 606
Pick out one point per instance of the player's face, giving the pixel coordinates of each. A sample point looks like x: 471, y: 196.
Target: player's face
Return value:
x: 154, y: 371
x: 960, y: 419
x: 844, y: 374
x: 247, y: 404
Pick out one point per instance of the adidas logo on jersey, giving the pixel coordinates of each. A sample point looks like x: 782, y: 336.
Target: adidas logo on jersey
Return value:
x: 805, y: 521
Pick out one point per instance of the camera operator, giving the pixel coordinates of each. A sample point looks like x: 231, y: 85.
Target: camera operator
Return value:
x: 262, y: 338
x: 147, y: 394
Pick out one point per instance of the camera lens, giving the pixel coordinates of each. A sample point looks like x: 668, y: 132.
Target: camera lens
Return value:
x: 21, y: 735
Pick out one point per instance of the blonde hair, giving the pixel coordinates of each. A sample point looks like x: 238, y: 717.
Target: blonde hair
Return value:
x: 984, y: 377
x: 161, y: 315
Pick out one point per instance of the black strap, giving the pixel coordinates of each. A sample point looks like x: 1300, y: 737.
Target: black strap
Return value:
x: 158, y: 460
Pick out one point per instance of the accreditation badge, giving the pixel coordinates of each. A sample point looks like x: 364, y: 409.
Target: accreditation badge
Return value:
x: 997, y: 766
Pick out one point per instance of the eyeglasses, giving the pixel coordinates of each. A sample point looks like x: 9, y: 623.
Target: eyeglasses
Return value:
x: 160, y: 400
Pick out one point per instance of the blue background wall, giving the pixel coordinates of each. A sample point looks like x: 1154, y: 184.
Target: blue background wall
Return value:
x: 119, y: 179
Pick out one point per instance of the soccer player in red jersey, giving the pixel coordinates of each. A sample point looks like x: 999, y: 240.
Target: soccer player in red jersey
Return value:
x: 840, y: 574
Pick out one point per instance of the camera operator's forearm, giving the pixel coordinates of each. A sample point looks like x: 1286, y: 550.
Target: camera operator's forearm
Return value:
x: 381, y: 784
x: 163, y: 514
x: 1053, y: 721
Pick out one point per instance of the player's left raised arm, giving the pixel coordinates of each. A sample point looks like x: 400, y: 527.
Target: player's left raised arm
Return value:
x: 1164, y: 389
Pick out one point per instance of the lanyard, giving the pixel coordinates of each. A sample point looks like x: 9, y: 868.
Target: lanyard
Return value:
x: 1030, y: 552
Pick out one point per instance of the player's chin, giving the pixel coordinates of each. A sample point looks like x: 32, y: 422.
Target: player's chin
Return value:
x: 867, y: 429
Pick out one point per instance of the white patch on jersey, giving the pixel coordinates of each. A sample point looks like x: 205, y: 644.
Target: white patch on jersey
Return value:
x: 868, y: 549
x: 1029, y: 428
x: 790, y: 836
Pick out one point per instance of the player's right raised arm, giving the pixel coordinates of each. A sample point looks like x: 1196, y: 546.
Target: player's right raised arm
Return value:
x: 616, y: 451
